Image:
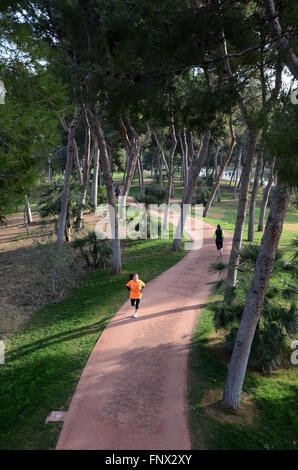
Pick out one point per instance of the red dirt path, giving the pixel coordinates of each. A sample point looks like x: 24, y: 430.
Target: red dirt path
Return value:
x: 132, y: 393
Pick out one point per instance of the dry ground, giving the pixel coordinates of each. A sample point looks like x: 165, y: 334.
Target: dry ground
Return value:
x: 22, y: 284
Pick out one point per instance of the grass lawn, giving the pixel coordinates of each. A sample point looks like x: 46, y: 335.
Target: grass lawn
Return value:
x: 225, y: 213
x: 267, y: 419
x: 44, y: 360
x: 268, y: 416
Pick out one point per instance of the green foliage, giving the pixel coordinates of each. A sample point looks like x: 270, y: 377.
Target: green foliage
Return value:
x: 50, y: 198
x: 278, y: 320
x: 102, y: 195
x: 29, y: 128
x: 97, y: 253
x: 153, y: 195
x: 203, y: 190
x: 282, y: 141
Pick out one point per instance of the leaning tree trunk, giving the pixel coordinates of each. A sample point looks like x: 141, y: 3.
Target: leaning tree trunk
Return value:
x: 170, y: 173
x: 279, y: 38
x: 216, y: 185
x: 237, y: 171
x: 189, y: 190
x: 255, y: 298
x: 82, y: 197
x: 141, y: 177
x: 266, y: 197
x: 253, y: 198
x: 242, y: 206
x: 133, y: 149
x: 65, y: 192
x: 109, y: 183
x: 94, y: 187
x: 28, y: 210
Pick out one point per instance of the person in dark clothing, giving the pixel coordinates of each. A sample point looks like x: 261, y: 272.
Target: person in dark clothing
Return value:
x: 219, y: 236
x: 117, y: 192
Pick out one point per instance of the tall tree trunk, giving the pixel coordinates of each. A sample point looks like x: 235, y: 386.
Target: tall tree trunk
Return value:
x: 242, y: 206
x: 192, y: 181
x: 161, y: 159
x: 253, y: 198
x: 133, y: 147
x: 237, y: 171
x: 280, y: 40
x: 170, y: 173
x: 233, y: 174
x: 76, y: 152
x: 160, y: 170
x: 255, y: 298
x: 28, y: 210
x: 67, y: 175
x: 223, y: 166
x: 266, y: 197
x: 125, y: 168
x: 262, y: 174
x: 141, y: 176
x: 86, y: 171
x: 109, y: 183
x: 94, y: 188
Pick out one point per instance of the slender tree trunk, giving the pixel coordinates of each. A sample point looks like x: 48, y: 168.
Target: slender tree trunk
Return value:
x: 281, y: 42
x: 262, y: 175
x: 28, y: 211
x: 76, y: 152
x: 189, y: 190
x: 161, y: 159
x: 185, y: 158
x: 125, y: 168
x: 242, y: 207
x: 223, y: 166
x: 133, y: 148
x: 266, y: 198
x: 70, y: 153
x: 233, y: 174
x: 237, y: 170
x: 141, y: 177
x: 109, y: 183
x: 160, y: 170
x: 255, y: 298
x: 94, y: 189
x: 170, y: 172
x: 82, y: 197
x: 253, y: 198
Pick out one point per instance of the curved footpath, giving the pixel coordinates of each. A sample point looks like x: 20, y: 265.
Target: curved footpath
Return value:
x: 132, y: 393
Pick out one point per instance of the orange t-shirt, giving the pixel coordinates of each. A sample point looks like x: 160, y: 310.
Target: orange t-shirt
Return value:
x: 135, y: 288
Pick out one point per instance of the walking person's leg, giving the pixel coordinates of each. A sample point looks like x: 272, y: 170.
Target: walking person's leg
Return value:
x: 137, y: 303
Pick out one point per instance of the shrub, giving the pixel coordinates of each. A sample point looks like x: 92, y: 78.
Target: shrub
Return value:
x: 278, y: 322
x: 97, y: 253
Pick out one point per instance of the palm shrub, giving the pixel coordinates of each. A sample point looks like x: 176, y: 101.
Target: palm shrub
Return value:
x: 96, y: 252
x: 154, y: 195
x: 278, y: 322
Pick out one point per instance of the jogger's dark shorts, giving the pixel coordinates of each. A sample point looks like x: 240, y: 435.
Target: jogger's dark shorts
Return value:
x: 137, y: 301
x: 218, y: 244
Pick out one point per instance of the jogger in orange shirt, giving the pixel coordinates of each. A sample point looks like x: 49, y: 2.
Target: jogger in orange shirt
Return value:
x: 135, y: 287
